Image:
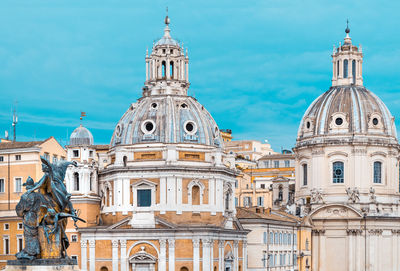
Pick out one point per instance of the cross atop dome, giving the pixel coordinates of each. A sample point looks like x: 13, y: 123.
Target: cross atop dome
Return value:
x: 347, y: 63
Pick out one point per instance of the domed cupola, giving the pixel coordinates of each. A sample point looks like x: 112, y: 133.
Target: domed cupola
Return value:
x: 166, y: 113
x: 81, y: 136
x: 347, y: 111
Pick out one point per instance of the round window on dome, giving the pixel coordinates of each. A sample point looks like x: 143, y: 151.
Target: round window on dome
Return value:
x: 184, y: 105
x: 375, y: 121
x: 154, y: 105
x: 148, y: 126
x: 190, y: 127
x: 339, y: 121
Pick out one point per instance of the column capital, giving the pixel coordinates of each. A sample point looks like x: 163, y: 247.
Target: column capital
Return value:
x: 171, y: 243
x: 163, y: 242
x: 123, y: 243
x: 221, y: 243
x: 83, y: 243
x: 235, y: 243
x: 196, y: 242
x: 207, y: 242
x: 244, y: 243
x: 92, y: 243
x: 114, y: 243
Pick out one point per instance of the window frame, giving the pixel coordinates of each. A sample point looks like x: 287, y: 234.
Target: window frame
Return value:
x: 343, y: 169
x: 6, y: 239
x: 18, y: 157
x: 381, y: 172
x: 20, y: 226
x: 2, y: 180
x: 15, y: 184
x: 20, y: 246
x: 77, y: 153
x: 304, y: 174
x: 6, y: 226
x: 142, y: 185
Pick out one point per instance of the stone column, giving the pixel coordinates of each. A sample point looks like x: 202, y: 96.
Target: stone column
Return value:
x: 350, y: 238
x: 92, y: 255
x: 123, y: 256
x: 221, y: 255
x: 162, y: 262
x: 84, y: 255
x: 206, y: 254
x: 314, y: 251
x: 171, y: 254
x: 371, y: 253
x: 196, y: 254
x: 212, y: 255
x: 245, y: 255
x: 115, y: 257
x: 236, y: 255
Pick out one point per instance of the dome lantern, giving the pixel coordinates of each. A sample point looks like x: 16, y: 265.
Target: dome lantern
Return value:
x: 347, y: 62
x: 81, y: 136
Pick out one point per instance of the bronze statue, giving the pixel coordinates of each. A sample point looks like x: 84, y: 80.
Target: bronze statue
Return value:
x: 44, y: 213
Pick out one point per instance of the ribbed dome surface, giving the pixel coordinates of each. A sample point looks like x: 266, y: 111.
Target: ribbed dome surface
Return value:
x: 81, y: 136
x: 166, y: 119
x: 347, y: 110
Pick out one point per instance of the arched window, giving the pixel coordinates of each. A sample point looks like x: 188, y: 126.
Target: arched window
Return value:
x: 195, y: 195
x: 265, y: 238
x: 163, y: 70
x: 108, y: 196
x: 184, y: 269
x: 304, y: 174
x: 280, y: 239
x: 337, y: 70
x: 353, y: 70
x: 76, y: 181
x: 338, y: 172
x: 104, y: 268
x: 289, y: 239
x: 125, y: 159
x: 276, y: 238
x: 171, y: 69
x: 227, y: 200
x: 90, y: 181
x: 377, y: 172
x: 271, y: 238
x: 345, y: 68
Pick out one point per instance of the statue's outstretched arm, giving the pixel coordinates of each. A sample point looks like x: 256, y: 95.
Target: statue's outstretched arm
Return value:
x: 38, y: 184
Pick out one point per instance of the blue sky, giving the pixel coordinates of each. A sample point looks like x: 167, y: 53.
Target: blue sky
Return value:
x: 255, y: 65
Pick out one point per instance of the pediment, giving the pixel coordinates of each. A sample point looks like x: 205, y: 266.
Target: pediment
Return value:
x: 334, y: 212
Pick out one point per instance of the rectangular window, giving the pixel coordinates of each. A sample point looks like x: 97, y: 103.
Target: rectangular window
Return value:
x: 276, y: 164
x: 62, y: 158
x: 17, y: 185
x: 20, y: 243
x: 295, y: 259
x: 47, y: 156
x: 377, y: 172
x: 338, y: 172
x: 19, y: 226
x: 74, y: 238
x: 266, y: 164
x: 75, y: 153
x: 6, y: 245
x: 1, y: 158
x: 144, y: 197
x: 18, y: 157
x: 6, y: 226
x: 294, y: 239
x: 236, y: 201
x: 2, y: 186
x: 55, y: 159
x: 247, y: 201
x: 271, y: 238
x: 262, y: 186
x: 265, y: 237
x: 74, y: 257
x: 287, y: 163
x: 260, y: 201
x: 236, y: 183
x: 90, y: 154
x: 304, y: 174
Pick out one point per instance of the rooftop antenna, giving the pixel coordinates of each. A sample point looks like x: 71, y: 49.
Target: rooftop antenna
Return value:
x: 15, y: 121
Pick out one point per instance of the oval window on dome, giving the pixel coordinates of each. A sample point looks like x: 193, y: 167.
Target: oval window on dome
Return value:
x: 154, y: 105
x: 148, y: 126
x: 308, y: 125
x: 118, y: 130
x: 375, y: 121
x: 190, y: 127
x: 339, y: 121
x: 184, y: 105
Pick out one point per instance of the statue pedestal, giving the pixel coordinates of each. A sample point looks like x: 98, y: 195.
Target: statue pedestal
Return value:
x: 42, y: 265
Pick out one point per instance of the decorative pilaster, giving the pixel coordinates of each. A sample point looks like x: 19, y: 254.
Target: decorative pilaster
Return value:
x: 92, y: 255
x: 162, y: 263
x: 221, y: 244
x: 171, y: 254
x: 206, y: 254
x: 196, y: 254
x: 83, y: 254
x: 236, y: 255
x: 115, y: 257
x: 124, y: 263
x: 245, y: 255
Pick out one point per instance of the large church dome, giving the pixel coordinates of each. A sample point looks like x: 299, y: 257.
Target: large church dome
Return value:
x: 347, y: 110
x: 166, y: 119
